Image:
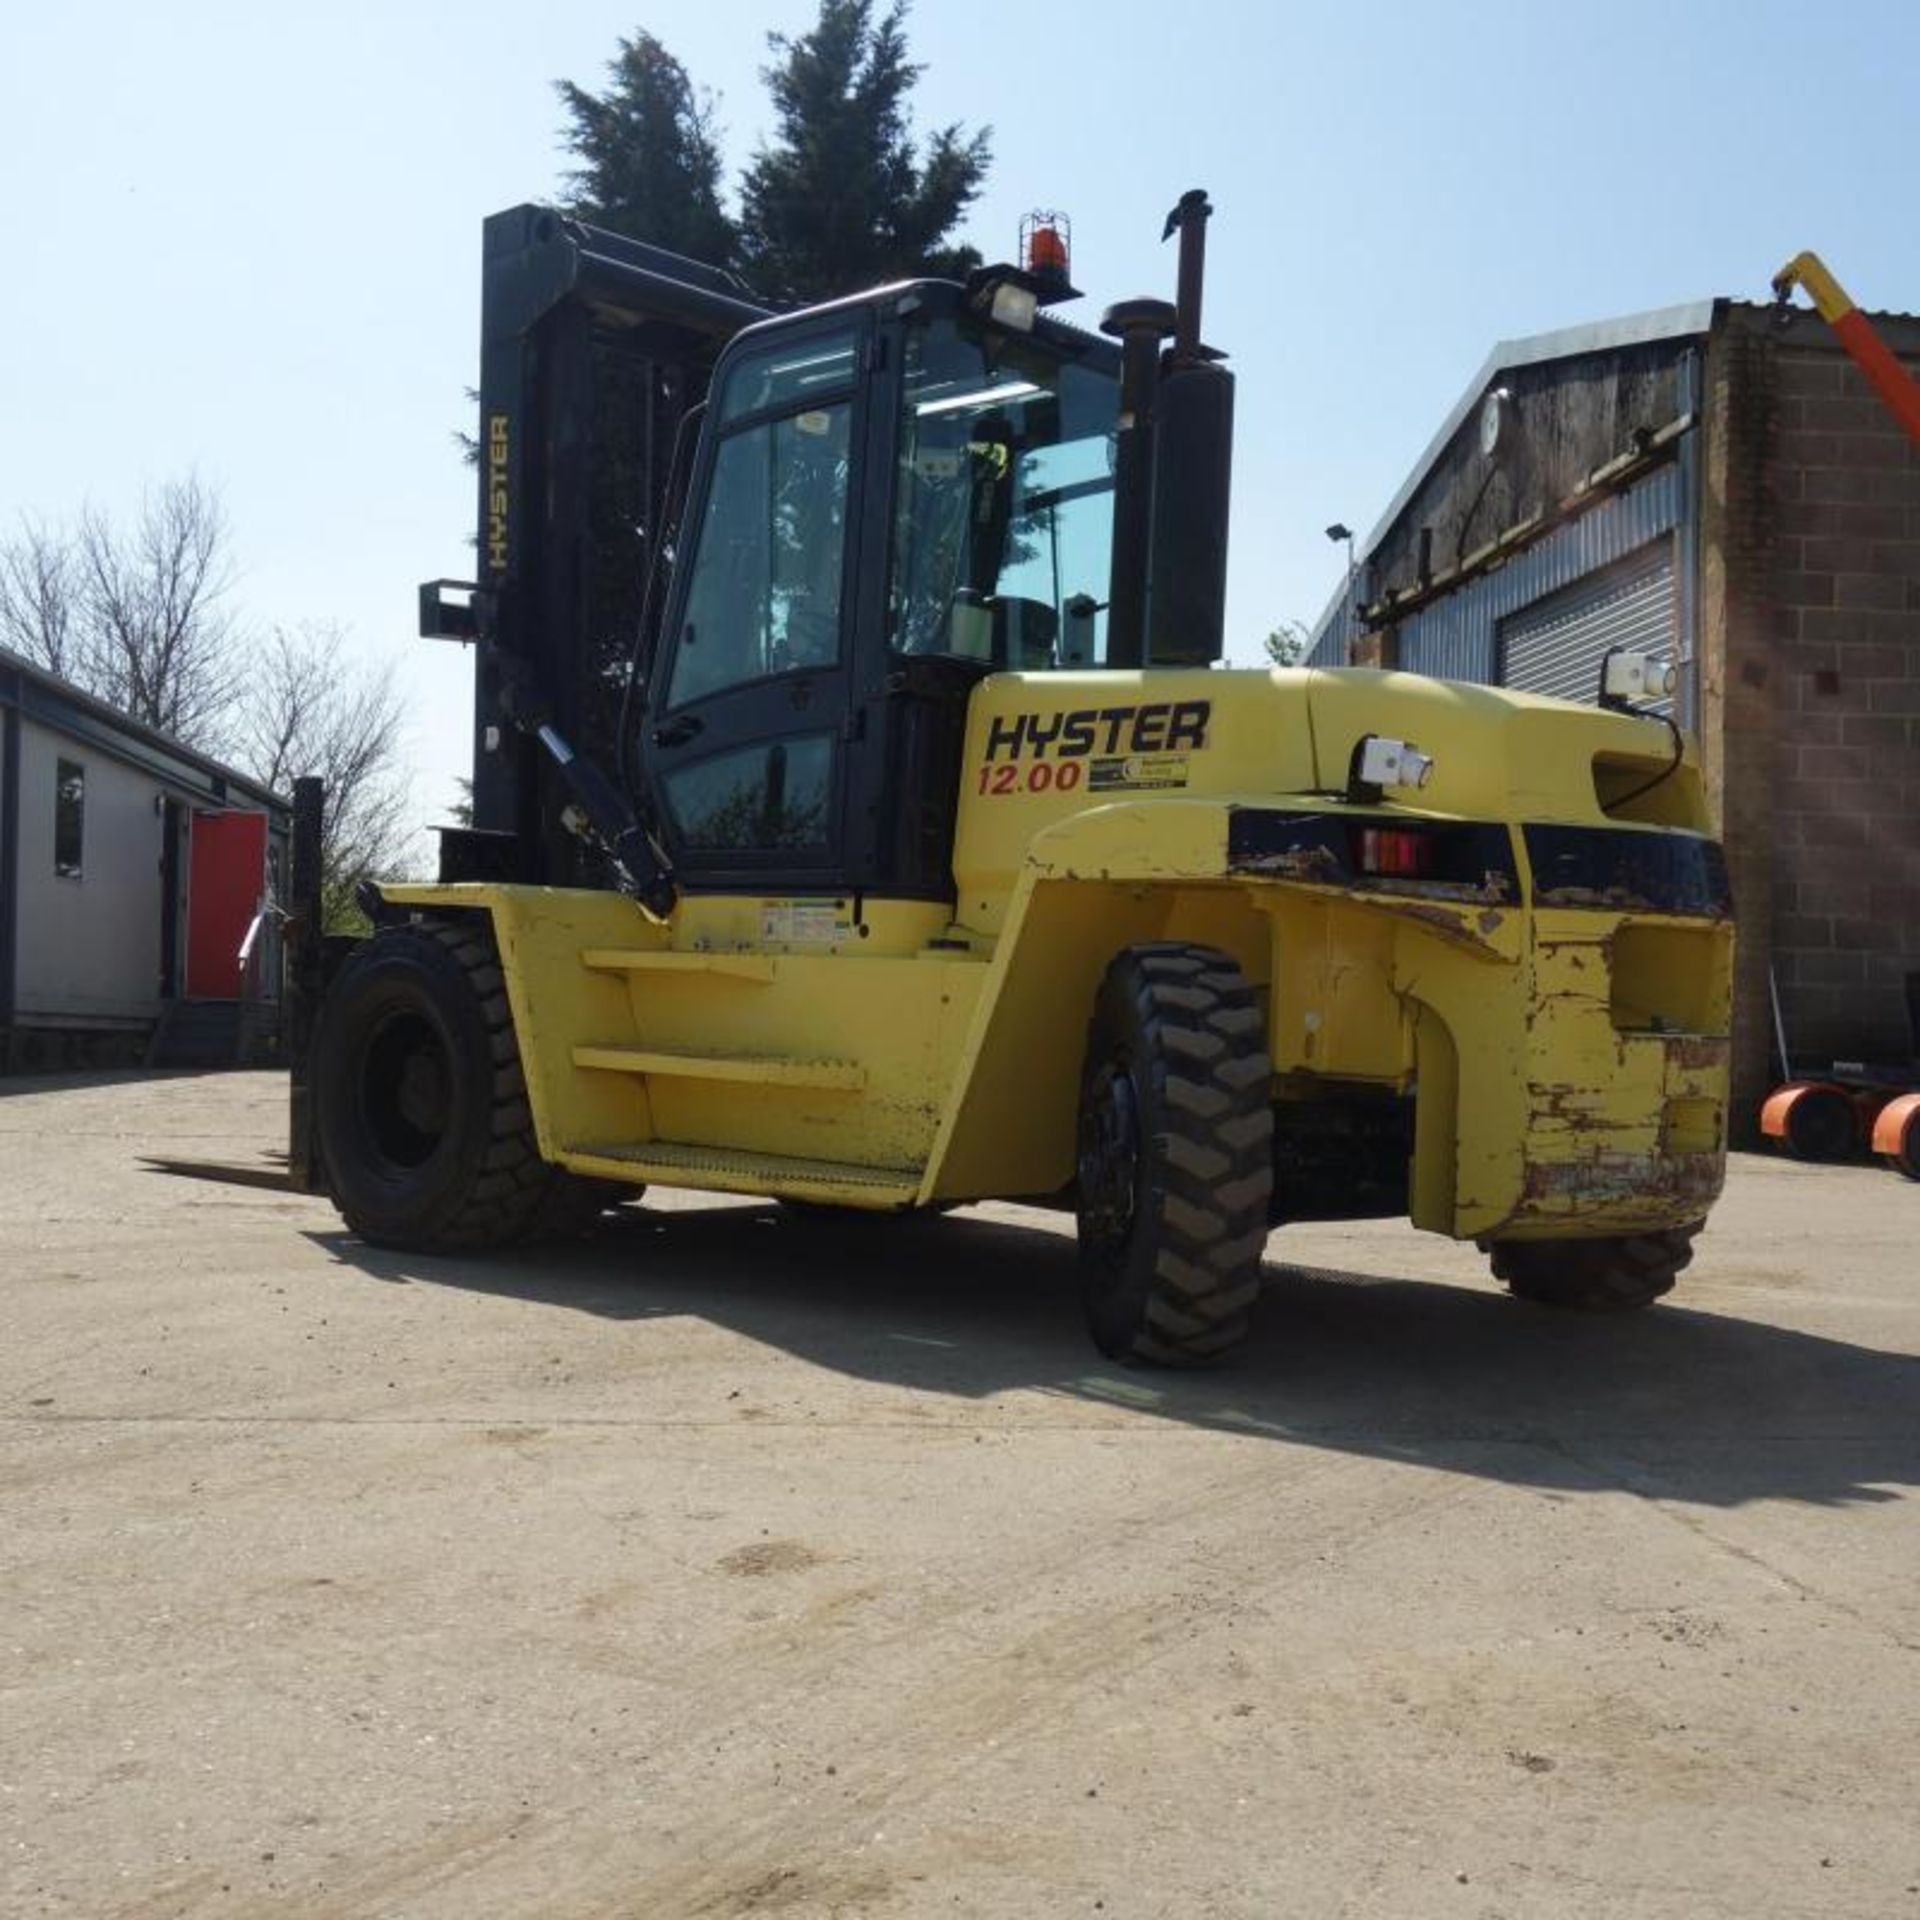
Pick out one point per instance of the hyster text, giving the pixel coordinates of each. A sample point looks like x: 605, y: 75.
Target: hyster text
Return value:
x: 1162, y: 726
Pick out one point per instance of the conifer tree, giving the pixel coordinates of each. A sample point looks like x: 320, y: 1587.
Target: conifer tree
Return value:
x: 842, y: 197
x: 648, y: 155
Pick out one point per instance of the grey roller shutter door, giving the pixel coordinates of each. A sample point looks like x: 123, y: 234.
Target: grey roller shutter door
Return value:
x: 1556, y: 645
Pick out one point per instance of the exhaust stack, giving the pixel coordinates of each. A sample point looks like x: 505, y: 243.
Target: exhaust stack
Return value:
x: 1172, y: 471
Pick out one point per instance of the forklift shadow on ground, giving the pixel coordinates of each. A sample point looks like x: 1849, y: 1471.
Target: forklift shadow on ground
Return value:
x: 1678, y: 1405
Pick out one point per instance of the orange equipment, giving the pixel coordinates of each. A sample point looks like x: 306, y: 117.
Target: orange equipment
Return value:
x: 1832, y: 1119
x: 1890, y: 380
x: 1841, y: 1118
x: 1896, y: 1134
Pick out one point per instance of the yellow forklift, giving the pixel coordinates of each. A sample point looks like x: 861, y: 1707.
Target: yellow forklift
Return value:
x: 907, y: 845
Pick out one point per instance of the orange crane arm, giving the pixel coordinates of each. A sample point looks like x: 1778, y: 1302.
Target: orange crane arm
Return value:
x: 1891, y: 381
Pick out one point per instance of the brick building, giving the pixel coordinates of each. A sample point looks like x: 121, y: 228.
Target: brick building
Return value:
x: 1717, y: 480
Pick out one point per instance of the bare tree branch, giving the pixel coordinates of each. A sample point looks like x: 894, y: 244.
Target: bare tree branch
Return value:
x: 307, y: 707
x: 158, y: 640
x: 39, y: 598
x: 139, y: 616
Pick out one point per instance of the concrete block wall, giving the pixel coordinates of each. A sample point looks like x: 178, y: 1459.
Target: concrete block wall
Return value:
x: 1737, y: 675
x: 1842, y: 482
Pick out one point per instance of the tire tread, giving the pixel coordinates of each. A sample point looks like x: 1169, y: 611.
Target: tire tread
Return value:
x: 1617, y: 1273
x: 1211, y: 1156
x: 514, y: 1195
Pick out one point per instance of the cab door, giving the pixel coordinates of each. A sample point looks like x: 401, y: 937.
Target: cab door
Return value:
x: 747, y: 723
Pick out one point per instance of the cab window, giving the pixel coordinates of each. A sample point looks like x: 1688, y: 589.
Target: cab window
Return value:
x: 793, y: 373
x: 766, y: 591
x: 773, y: 795
x: 1003, y: 522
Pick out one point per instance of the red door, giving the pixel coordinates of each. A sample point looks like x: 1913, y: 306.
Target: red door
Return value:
x: 226, y: 875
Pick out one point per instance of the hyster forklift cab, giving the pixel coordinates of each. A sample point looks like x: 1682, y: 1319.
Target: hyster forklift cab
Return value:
x: 861, y: 820
x: 894, y: 498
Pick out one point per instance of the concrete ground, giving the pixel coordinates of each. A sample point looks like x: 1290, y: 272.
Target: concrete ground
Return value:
x: 730, y: 1567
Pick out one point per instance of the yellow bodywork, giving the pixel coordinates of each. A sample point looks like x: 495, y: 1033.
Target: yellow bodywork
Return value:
x: 1568, y: 1066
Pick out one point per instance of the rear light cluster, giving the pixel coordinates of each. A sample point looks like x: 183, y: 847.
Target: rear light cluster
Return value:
x: 1431, y: 859
x: 1393, y: 853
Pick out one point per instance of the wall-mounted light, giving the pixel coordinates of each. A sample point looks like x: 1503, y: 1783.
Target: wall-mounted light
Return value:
x: 1496, y: 423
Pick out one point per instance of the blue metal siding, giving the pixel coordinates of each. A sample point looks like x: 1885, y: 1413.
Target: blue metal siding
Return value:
x: 1330, y: 648
x: 1455, y: 638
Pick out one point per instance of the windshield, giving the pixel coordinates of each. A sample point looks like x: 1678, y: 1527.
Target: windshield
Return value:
x: 1003, y: 521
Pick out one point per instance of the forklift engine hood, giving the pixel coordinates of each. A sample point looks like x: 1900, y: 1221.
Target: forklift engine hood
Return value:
x: 1044, y: 751
x: 1194, y: 733
x: 1499, y: 754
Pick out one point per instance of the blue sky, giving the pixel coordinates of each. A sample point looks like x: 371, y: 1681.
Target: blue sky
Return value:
x: 245, y: 237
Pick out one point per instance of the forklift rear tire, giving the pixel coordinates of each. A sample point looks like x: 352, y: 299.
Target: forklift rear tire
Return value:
x: 1175, y: 1156
x: 422, y: 1106
x: 1619, y: 1274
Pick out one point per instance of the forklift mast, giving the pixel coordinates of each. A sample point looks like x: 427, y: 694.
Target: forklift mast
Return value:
x: 593, y: 350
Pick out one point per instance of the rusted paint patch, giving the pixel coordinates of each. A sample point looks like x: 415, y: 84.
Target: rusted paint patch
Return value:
x: 1610, y: 1178
x: 1460, y: 926
x: 1305, y: 862
x: 1615, y: 899
x: 1571, y: 1106
x: 1491, y: 890
x: 1446, y: 919
x: 1581, y: 954
x: 1696, y: 1053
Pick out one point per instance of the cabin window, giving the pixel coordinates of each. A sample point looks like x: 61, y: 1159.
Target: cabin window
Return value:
x: 778, y: 794
x: 766, y: 591
x: 1003, y: 518
x: 69, y: 817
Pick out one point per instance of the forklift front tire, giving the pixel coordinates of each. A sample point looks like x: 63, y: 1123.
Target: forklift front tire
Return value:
x: 1175, y: 1156
x: 421, y: 1103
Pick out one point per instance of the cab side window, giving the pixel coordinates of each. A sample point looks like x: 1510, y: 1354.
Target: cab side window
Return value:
x: 767, y: 585
x: 774, y: 795
x: 1003, y: 505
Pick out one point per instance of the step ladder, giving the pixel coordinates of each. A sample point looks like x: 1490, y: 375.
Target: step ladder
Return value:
x: 729, y: 1169
x: 680, y: 1163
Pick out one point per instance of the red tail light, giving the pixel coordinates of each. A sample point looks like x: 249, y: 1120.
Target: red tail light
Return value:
x: 1389, y: 853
